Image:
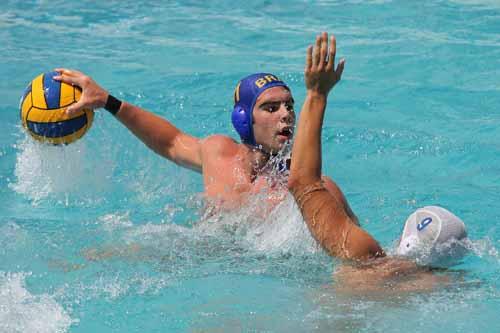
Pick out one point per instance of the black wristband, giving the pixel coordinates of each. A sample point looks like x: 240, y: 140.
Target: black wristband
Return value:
x: 113, y: 105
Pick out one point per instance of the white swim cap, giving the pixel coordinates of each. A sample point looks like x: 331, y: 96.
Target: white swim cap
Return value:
x: 433, y: 236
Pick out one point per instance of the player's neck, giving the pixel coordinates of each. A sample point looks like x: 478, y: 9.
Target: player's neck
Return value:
x: 257, y: 158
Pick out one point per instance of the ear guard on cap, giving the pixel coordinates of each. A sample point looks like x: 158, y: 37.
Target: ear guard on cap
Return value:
x: 242, y: 122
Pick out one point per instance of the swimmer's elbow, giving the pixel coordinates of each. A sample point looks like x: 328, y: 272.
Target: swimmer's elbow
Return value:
x: 363, y: 247
x: 368, y: 253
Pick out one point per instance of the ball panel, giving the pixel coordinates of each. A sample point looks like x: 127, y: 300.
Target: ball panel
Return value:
x: 78, y: 94
x: 67, y: 95
x: 73, y: 137
x: 25, y: 108
x: 51, y: 90
x: 90, y: 117
x: 37, y: 93
x: 48, y: 116
x: 59, y: 128
x: 62, y: 140
x: 27, y: 90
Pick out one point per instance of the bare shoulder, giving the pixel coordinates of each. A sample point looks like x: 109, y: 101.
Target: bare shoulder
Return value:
x: 220, y: 145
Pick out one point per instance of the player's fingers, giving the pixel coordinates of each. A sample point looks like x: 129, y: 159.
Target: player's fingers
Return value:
x: 324, y: 50
x: 75, y: 108
x: 70, y: 76
x: 67, y: 79
x: 60, y: 69
x: 308, y: 58
x: 333, y: 49
x: 331, y: 56
x: 316, y: 55
x: 66, y: 71
x: 340, y: 68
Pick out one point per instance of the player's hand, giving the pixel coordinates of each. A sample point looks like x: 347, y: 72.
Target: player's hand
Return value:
x: 93, y: 96
x: 320, y: 73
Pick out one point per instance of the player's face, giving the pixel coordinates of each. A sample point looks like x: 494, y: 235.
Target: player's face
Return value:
x: 273, y: 118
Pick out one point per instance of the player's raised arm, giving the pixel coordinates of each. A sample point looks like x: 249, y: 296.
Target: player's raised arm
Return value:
x: 157, y: 133
x: 325, y: 215
x: 320, y: 77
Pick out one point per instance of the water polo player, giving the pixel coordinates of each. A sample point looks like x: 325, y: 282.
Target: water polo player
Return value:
x: 263, y: 115
x: 431, y: 234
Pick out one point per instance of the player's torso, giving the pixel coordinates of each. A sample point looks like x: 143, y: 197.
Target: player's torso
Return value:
x: 229, y: 180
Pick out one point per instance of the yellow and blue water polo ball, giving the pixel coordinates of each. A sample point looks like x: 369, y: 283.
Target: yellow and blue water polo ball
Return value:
x: 43, y: 107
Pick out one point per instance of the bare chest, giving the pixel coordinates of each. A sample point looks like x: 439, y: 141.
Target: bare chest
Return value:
x: 234, y: 181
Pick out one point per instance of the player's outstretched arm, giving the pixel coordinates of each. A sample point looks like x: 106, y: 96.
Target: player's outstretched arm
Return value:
x: 325, y: 214
x: 157, y: 133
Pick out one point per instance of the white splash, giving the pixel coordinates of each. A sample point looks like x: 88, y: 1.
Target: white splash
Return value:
x: 484, y: 248
x: 44, y: 170
x: 20, y: 311
x: 281, y: 230
x: 111, y: 222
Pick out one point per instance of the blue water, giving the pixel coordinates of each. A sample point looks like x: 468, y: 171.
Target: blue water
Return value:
x: 105, y: 236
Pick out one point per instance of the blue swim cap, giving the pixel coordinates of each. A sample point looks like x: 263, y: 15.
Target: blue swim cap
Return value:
x: 245, y: 95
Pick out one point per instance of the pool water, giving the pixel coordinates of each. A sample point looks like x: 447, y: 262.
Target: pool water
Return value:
x: 105, y: 236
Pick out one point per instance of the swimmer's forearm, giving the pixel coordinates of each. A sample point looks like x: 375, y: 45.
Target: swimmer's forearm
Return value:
x: 154, y: 131
x: 161, y: 136
x: 306, y: 151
